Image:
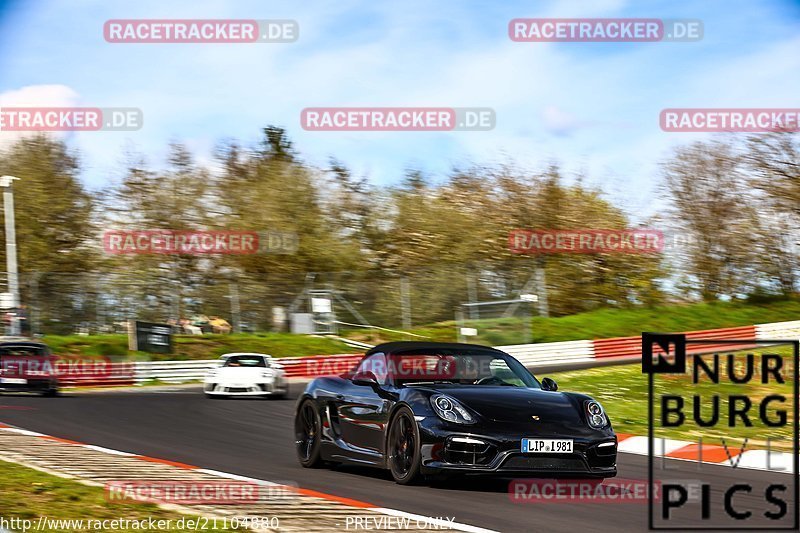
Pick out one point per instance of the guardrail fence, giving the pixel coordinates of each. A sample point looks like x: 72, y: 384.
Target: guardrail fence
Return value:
x: 581, y: 352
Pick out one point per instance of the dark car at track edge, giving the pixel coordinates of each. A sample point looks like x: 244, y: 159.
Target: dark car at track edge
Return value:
x: 27, y: 365
x: 425, y: 409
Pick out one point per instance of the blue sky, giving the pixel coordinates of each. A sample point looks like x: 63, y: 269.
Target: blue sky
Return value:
x: 593, y: 107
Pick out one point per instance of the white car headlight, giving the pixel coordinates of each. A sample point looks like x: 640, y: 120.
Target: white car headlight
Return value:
x: 449, y: 409
x: 596, y: 415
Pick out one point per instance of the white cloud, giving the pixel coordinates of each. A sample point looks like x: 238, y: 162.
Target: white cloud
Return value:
x: 559, y: 122
x: 34, y: 96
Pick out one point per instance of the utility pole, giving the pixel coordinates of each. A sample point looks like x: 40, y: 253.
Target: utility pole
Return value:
x: 11, y: 250
x: 235, y: 311
x: 405, y: 302
x: 541, y: 289
x: 472, y: 295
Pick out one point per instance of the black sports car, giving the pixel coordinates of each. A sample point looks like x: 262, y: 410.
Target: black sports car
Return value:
x: 436, y: 409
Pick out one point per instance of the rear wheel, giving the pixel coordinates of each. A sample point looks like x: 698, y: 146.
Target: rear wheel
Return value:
x: 307, y: 431
x: 403, y: 447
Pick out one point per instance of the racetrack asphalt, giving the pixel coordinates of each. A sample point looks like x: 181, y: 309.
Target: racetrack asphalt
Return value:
x: 253, y: 437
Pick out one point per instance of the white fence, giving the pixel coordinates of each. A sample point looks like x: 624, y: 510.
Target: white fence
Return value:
x: 551, y: 353
x: 779, y: 331
x: 173, y: 371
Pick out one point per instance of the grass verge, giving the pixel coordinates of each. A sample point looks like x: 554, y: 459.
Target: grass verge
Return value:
x: 27, y: 494
x: 603, y: 323
x: 200, y: 346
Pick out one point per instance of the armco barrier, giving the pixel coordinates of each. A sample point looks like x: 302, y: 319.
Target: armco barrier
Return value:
x: 551, y: 353
x: 319, y: 365
x: 624, y: 348
x: 779, y: 331
x: 173, y: 371
x: 114, y: 374
x: 532, y: 355
x: 182, y: 371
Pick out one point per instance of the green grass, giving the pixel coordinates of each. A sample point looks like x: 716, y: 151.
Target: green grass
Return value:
x: 622, y: 390
x: 200, y: 346
x: 604, y: 323
x: 27, y: 494
x: 599, y: 324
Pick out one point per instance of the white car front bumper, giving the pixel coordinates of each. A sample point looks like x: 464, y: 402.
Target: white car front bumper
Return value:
x: 265, y: 388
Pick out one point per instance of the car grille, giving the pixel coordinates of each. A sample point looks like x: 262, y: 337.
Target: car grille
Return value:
x: 468, y: 451
x: 237, y: 389
x: 544, y: 463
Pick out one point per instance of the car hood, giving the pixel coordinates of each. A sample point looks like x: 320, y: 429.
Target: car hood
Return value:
x: 514, y: 404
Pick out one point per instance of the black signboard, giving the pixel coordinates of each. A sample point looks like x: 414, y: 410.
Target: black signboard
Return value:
x: 150, y: 337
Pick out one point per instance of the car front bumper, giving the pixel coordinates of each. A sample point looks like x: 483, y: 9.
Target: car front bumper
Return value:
x: 31, y: 385
x: 497, y: 449
x: 253, y: 389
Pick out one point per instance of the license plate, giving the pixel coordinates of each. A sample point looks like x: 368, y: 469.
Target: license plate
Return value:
x: 546, y: 445
x: 13, y: 381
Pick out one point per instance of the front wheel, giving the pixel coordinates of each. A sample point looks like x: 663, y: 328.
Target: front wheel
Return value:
x: 307, y: 432
x: 403, y: 447
x: 280, y: 394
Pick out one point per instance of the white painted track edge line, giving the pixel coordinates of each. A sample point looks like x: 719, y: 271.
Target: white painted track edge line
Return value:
x: 383, y: 510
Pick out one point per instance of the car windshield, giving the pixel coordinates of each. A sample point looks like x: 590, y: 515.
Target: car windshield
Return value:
x: 248, y: 361
x: 459, y: 368
x: 22, y: 351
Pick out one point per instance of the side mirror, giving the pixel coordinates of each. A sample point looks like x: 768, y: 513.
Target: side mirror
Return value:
x: 549, y: 384
x: 365, y: 378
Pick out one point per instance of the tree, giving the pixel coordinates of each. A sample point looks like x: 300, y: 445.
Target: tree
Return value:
x: 773, y: 161
x: 56, y: 236
x: 710, y: 202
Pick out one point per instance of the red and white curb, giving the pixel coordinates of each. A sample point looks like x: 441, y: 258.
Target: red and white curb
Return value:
x: 768, y: 460
x: 432, y: 522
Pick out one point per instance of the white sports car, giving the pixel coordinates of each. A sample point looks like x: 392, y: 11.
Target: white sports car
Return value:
x: 246, y: 374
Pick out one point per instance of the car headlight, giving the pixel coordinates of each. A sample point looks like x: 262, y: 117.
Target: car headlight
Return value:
x: 595, y: 415
x: 449, y: 409
x: 266, y: 374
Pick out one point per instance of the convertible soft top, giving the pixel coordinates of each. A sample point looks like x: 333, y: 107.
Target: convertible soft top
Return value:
x: 407, y: 346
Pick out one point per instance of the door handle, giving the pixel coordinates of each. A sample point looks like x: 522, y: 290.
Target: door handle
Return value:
x: 340, y: 396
